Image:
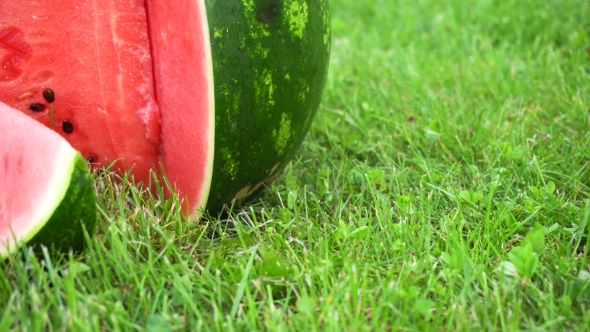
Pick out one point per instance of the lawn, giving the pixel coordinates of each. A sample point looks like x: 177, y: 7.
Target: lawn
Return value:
x: 444, y: 185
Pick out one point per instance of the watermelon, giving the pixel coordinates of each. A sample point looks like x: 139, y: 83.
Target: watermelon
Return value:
x: 46, y: 192
x: 216, y: 95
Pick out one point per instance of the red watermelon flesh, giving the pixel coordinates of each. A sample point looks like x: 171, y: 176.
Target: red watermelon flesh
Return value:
x: 131, y: 84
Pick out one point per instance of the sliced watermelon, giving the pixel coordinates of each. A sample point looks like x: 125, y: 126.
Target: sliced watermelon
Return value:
x: 139, y: 82
x: 46, y: 193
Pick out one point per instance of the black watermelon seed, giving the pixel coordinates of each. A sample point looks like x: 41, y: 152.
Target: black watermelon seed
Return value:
x: 49, y: 95
x: 90, y: 160
x: 67, y: 127
x: 37, y: 107
x: 267, y: 14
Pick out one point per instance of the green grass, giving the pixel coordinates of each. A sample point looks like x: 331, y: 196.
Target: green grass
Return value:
x: 443, y: 186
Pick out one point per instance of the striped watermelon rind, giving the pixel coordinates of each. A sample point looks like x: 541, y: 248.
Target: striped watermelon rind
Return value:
x: 270, y: 62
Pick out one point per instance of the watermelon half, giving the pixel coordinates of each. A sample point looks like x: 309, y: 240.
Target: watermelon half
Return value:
x: 217, y: 95
x: 46, y: 193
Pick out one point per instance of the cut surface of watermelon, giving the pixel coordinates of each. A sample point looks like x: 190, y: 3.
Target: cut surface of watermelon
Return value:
x: 97, y: 61
x: 113, y: 103
x: 183, y: 79
x: 46, y: 192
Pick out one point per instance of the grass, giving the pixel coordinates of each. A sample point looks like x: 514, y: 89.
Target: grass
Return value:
x: 443, y: 186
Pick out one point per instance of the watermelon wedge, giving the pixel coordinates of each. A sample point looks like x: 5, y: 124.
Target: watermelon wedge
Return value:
x: 216, y: 95
x: 46, y: 193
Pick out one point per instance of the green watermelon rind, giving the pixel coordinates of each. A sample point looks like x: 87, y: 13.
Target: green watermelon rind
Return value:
x: 68, y: 208
x: 270, y: 63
